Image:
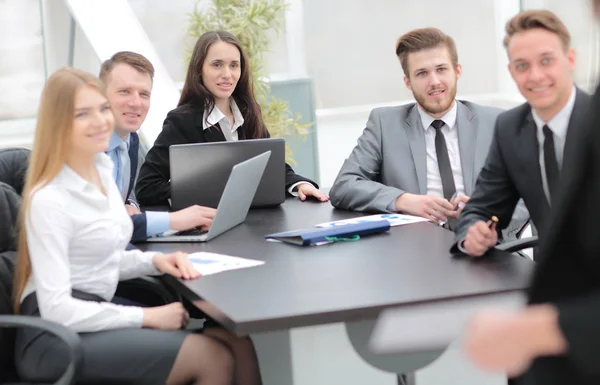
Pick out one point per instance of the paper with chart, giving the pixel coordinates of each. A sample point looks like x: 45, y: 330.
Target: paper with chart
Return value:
x: 211, y: 263
x: 394, y: 219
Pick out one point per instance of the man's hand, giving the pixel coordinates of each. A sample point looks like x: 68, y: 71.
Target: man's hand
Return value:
x: 459, y: 202
x: 132, y: 210
x: 508, y: 342
x: 426, y: 206
x: 176, y: 264
x: 308, y: 190
x: 481, y: 236
x: 191, y: 217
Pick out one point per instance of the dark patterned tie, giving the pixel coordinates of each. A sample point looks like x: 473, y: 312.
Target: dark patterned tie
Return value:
x: 443, y: 159
x: 550, y: 161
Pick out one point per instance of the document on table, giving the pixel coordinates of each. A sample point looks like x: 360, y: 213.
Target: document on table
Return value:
x: 394, y: 219
x: 211, y: 263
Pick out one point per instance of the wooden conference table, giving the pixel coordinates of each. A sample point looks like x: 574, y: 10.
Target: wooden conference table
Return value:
x: 350, y: 282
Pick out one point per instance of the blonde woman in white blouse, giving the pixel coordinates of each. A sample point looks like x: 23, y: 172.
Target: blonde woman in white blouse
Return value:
x: 72, y: 255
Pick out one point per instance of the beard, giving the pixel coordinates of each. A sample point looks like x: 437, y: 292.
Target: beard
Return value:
x: 433, y: 108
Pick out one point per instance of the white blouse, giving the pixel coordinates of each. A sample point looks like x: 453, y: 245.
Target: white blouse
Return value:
x: 77, y: 238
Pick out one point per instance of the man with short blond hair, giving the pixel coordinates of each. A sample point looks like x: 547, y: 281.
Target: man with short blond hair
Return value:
x: 530, y: 140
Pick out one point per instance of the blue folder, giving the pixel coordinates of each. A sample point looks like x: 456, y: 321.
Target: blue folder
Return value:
x: 313, y: 236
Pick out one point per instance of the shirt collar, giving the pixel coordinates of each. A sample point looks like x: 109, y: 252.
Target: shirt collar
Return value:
x: 116, y: 140
x: 70, y: 180
x: 449, y: 118
x: 560, y: 122
x: 216, y: 116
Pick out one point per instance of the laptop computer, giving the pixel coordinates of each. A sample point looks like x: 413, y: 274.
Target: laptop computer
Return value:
x: 233, y: 206
x: 199, y: 171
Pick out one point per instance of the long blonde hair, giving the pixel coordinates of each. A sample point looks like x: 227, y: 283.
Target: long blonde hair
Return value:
x: 51, y: 146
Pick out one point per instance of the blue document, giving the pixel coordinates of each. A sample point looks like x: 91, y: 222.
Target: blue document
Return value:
x: 314, y: 236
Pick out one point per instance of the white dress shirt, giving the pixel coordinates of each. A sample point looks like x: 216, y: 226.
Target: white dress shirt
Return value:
x: 450, y: 131
x: 77, y: 238
x: 218, y: 117
x: 559, y: 125
x: 230, y: 131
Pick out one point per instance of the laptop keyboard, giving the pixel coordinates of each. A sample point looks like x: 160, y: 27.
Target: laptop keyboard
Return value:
x: 194, y: 231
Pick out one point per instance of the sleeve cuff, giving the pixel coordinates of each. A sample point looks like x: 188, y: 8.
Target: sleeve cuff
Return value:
x: 292, y: 187
x: 460, y: 247
x: 157, y: 222
x: 392, y: 206
x: 134, y: 314
x: 133, y: 203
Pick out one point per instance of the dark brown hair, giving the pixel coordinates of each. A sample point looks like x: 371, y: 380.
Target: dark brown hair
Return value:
x: 137, y: 61
x: 532, y: 19
x: 424, y: 38
x: 194, y: 92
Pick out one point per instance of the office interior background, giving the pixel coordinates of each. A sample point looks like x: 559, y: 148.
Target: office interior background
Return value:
x: 333, y: 61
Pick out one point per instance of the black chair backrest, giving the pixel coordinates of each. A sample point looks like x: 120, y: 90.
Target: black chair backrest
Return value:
x: 13, y: 167
x: 7, y: 336
x: 10, y: 204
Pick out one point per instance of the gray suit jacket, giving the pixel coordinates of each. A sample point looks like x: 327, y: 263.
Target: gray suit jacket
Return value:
x: 390, y: 157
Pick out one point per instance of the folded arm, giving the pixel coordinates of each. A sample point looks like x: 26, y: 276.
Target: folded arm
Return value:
x: 494, y: 195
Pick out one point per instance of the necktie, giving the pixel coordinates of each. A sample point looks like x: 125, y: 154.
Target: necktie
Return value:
x: 550, y: 161
x: 124, y: 171
x: 443, y: 159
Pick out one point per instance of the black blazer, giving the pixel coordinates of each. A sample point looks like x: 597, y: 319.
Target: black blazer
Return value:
x: 183, y: 125
x: 568, y: 270
x: 512, y: 170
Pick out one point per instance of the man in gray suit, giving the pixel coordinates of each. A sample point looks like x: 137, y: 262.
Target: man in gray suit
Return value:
x: 421, y: 158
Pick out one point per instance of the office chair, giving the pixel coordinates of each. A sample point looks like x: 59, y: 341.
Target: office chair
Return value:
x: 522, y: 242
x: 9, y: 322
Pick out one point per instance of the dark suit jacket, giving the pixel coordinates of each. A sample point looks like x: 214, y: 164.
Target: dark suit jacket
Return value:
x: 139, y: 220
x: 183, y: 125
x: 568, y: 270
x: 512, y: 170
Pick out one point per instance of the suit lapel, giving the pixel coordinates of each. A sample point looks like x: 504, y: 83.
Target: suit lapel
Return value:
x: 416, y: 138
x: 467, y: 136
x: 211, y: 134
x: 214, y: 134
x: 576, y: 122
x: 526, y: 139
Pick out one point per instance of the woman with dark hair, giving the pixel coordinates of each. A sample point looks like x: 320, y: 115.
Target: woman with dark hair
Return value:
x: 217, y: 104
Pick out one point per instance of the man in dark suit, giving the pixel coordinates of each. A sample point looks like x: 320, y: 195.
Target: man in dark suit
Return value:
x: 421, y: 158
x: 555, y: 339
x: 128, y: 78
x: 530, y: 140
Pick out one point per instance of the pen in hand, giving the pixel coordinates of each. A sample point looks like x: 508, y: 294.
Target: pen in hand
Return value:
x: 493, y: 222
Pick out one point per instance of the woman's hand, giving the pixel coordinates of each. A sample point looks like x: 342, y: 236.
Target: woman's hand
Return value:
x: 308, y: 190
x: 176, y: 264
x: 168, y: 317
